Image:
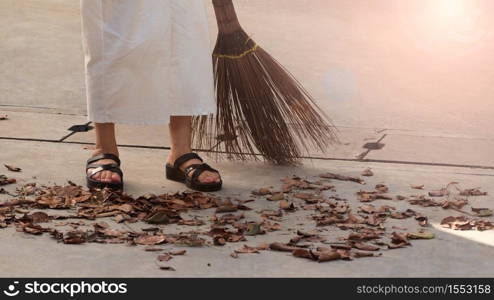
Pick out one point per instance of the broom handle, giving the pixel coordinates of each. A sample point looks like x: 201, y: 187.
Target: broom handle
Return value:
x: 226, y: 16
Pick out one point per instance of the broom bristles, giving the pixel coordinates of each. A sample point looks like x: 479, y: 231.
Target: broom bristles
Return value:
x: 261, y: 107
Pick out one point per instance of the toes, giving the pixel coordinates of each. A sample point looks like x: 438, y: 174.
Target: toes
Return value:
x: 96, y: 176
x: 214, y: 177
x: 103, y: 176
x: 108, y: 176
x: 206, y: 178
x: 209, y: 177
x: 115, y: 177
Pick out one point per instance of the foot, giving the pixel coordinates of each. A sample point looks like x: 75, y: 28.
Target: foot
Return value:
x: 205, y: 177
x: 105, y: 176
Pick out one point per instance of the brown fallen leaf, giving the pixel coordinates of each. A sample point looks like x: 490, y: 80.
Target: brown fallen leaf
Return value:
x: 219, y: 240
x: 178, y: 252
x: 326, y: 220
x: 398, y: 245
x: 296, y: 182
x: 472, y: 192
x: 329, y: 256
x: 262, y: 192
x: 126, y: 208
x: 363, y: 236
x: 439, y: 193
x: 365, y: 247
x: 271, y: 226
x: 305, y: 253
x: 163, y: 216
x: 33, y: 229
x: 153, y: 249
x: 285, y: 205
x: 12, y: 168
x: 309, y: 198
x: 367, y: 172
x: 146, y: 239
x: 458, y: 203
x: 4, y: 180
x: 463, y: 223
x: 247, y: 249
x: 276, y: 197
x: 360, y: 254
x: 254, y: 229
x: 316, y: 255
x: 227, y: 219
x: 369, y: 196
x: 38, y: 217
x: 75, y: 237
x: 423, y: 220
x: 423, y: 201
x: 341, y: 177
x: 164, y: 257
x: 190, y: 240
x: 282, y: 247
x: 482, y: 212
x: 272, y: 214
x: 368, y: 208
x: 398, y: 240
x: 402, y: 215
x: 226, y: 209
x: 421, y: 235
x: 382, y: 188
x: 193, y: 222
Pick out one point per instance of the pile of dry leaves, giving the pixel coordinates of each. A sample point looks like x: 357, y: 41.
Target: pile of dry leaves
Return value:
x: 364, y: 226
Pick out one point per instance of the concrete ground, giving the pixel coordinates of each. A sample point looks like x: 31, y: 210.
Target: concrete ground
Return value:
x: 437, y: 133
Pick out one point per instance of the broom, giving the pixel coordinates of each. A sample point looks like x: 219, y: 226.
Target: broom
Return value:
x: 261, y: 107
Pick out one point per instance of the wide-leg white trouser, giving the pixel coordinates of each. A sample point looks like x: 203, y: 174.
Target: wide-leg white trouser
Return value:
x: 146, y: 60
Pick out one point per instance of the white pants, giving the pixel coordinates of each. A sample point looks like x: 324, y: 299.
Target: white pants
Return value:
x: 146, y: 60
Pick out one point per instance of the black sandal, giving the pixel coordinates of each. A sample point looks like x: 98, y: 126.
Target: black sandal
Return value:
x: 115, y: 168
x: 174, y: 173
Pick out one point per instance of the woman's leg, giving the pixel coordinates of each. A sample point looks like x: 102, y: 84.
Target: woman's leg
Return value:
x: 181, y: 140
x: 105, y: 143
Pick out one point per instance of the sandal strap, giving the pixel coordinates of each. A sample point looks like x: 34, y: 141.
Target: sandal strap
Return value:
x: 97, y: 168
x: 199, y: 169
x: 104, y: 156
x: 191, y: 168
x: 184, y: 158
x: 93, y: 166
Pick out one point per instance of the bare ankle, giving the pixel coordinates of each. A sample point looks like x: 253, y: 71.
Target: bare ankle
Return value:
x: 99, y: 151
x: 176, y: 153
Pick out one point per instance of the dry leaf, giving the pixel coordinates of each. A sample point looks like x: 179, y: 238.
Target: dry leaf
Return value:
x: 146, y: 239
x: 482, y: 212
x: 439, y: 193
x: 164, y: 257
x: 277, y: 197
x: 341, y: 177
x: 367, y: 172
x: 285, y: 205
x: 12, y: 168
x: 472, y: 192
x: 4, y: 180
x: 421, y: 235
